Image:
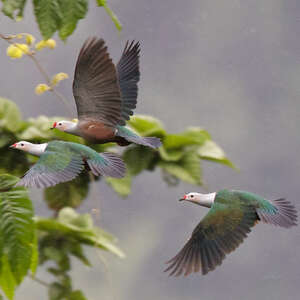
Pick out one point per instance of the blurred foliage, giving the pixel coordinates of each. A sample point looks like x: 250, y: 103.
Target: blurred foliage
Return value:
x: 18, y: 243
x: 67, y: 233
x: 56, y: 15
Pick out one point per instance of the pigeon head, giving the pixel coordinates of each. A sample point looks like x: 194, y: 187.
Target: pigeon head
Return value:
x: 22, y: 145
x: 34, y: 149
x: 189, y: 197
x: 200, y: 199
x: 62, y: 125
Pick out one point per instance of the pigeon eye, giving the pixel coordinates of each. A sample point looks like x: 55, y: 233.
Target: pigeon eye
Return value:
x: 59, y: 124
x: 192, y: 196
x: 22, y: 145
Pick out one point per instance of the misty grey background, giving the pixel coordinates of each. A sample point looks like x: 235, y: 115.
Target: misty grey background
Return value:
x: 231, y: 67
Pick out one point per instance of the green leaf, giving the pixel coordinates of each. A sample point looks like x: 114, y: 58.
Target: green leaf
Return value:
x: 170, y: 154
x: 35, y: 254
x: 187, y: 169
x: 77, y: 295
x: 138, y: 158
x: 72, y: 12
x: 121, y: 185
x: 192, y: 136
x: 147, y: 126
x: 38, y: 129
x: 7, y: 280
x: 70, y: 193
x: 48, y: 16
x: 7, y: 181
x: 79, y: 227
x: 10, y: 6
x: 211, y: 151
x: 17, y: 230
x: 15, y: 162
x: 10, y: 117
x: 110, y: 13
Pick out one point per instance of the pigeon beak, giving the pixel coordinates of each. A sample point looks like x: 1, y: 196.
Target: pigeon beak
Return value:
x: 54, y: 125
x: 183, y: 198
x: 13, y: 146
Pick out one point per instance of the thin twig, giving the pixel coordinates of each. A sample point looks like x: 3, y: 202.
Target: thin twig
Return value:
x: 108, y: 275
x: 31, y: 55
x: 40, y: 281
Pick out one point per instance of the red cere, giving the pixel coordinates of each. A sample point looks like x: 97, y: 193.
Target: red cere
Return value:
x: 14, y: 145
x: 184, y: 197
x: 54, y: 124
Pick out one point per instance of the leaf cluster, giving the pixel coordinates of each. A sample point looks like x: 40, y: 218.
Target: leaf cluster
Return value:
x: 56, y: 15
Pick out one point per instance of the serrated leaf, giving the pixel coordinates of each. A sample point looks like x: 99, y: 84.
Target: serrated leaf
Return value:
x: 17, y: 230
x: 121, y: 185
x: 35, y: 254
x: 147, y: 126
x: 7, y: 280
x: 187, y: 169
x: 10, y: 6
x: 70, y: 193
x: 192, y: 136
x: 7, y: 181
x: 48, y: 16
x: 72, y: 12
x: 211, y: 151
x: 10, y: 116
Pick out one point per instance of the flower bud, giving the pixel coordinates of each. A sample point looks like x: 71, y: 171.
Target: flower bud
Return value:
x: 41, y: 88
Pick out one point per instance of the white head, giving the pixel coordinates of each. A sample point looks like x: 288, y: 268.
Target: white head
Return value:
x: 66, y: 126
x: 34, y: 149
x: 201, y: 199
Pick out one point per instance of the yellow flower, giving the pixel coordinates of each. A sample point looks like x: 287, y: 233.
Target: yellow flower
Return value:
x: 51, y: 43
x: 43, y: 44
x: 59, y: 77
x: 29, y: 39
x: 19, y: 36
x: 14, y: 52
x: 23, y: 47
x: 41, y: 88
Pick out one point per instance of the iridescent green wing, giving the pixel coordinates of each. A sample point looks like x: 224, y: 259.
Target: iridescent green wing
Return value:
x: 53, y: 167
x: 221, y: 231
x: 280, y: 212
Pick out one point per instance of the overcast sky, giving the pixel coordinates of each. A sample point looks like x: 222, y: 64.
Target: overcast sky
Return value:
x: 231, y: 67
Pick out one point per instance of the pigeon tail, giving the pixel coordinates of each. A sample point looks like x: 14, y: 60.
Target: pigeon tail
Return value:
x: 152, y: 142
x: 282, y: 214
x: 107, y: 164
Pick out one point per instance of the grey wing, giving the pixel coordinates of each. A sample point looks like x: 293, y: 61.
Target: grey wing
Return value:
x: 52, y: 168
x: 129, y: 76
x: 95, y: 85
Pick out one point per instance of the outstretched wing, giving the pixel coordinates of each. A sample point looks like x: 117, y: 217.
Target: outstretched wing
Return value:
x: 95, y: 85
x: 52, y: 168
x: 129, y: 76
x: 221, y: 231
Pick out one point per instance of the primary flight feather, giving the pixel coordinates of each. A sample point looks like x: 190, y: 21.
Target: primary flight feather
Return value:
x: 106, y: 95
x: 62, y: 161
x: 231, y: 216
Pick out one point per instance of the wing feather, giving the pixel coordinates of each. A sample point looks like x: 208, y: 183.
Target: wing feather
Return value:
x: 95, y: 85
x: 221, y: 231
x: 129, y: 76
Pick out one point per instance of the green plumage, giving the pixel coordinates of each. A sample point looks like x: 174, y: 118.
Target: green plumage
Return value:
x: 224, y: 228
x: 63, y: 161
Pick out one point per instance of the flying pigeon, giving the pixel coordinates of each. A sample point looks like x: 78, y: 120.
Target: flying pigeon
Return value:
x: 62, y: 161
x: 229, y: 220
x: 106, y: 95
